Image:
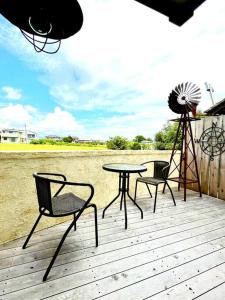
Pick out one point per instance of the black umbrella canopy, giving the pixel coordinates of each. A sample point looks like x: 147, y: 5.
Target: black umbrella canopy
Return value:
x: 178, y: 11
x: 54, y: 19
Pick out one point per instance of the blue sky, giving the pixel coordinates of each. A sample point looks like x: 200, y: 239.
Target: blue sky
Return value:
x: 115, y: 75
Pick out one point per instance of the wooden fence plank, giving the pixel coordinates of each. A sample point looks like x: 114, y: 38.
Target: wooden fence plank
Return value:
x: 221, y: 192
x: 214, y: 164
x: 198, y: 125
x: 204, y: 162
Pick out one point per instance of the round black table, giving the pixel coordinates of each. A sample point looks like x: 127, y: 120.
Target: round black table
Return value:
x: 124, y: 171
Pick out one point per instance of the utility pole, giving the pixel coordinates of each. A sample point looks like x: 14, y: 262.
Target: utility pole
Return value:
x: 210, y: 89
x: 25, y: 134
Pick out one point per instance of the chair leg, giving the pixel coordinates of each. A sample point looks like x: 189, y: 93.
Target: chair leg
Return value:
x: 57, y: 251
x: 171, y: 193
x: 96, y: 223
x: 31, y: 232
x: 156, y: 191
x: 149, y: 190
x: 164, y: 187
x: 135, y: 193
x: 75, y: 222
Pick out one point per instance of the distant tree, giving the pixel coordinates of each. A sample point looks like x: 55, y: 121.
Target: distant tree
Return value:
x: 159, y: 141
x: 165, y: 138
x: 38, y: 141
x: 139, y: 138
x: 150, y: 140
x: 75, y: 139
x: 117, y: 143
x: 200, y: 114
x: 68, y: 139
x: 135, y: 146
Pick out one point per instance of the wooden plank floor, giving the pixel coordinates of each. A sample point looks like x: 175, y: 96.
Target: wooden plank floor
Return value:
x: 176, y: 253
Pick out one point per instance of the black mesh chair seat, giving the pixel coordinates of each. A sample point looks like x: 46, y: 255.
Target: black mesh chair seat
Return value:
x: 160, y: 175
x: 60, y: 205
x: 66, y: 203
x: 150, y: 180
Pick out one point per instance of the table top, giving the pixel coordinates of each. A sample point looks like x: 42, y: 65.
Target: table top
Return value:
x: 123, y: 167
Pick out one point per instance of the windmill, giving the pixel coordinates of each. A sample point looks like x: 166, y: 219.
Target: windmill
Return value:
x: 184, y: 99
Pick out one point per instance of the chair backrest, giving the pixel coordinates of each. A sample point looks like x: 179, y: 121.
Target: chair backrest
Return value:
x: 43, y: 192
x: 158, y: 169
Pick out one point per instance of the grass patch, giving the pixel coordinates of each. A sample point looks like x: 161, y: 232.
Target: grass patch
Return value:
x: 32, y: 147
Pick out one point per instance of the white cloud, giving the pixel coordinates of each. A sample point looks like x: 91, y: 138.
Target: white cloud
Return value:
x: 127, y: 47
x: 60, y: 122
x: 12, y: 93
x: 63, y: 123
x: 16, y: 115
x: 126, y: 43
x: 57, y: 122
x: 142, y: 122
x: 65, y: 94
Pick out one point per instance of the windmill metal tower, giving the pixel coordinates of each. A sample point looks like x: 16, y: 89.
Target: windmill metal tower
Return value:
x: 183, y: 100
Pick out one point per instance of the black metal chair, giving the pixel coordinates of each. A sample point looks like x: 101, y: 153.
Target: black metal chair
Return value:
x: 160, y: 175
x: 60, y: 205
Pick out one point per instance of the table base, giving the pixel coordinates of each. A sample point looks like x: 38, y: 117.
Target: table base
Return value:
x: 124, y: 182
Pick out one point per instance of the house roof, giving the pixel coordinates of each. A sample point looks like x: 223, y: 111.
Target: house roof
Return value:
x: 216, y: 109
x: 53, y: 136
x: 17, y: 130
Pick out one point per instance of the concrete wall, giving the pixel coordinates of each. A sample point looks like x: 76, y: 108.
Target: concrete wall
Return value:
x: 18, y: 203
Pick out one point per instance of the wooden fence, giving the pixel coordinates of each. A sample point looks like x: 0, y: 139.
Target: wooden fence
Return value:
x: 211, y: 172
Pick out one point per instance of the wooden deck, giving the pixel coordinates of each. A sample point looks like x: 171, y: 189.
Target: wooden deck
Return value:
x: 176, y: 253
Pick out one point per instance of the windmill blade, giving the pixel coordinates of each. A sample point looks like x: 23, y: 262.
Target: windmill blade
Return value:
x: 176, y: 90
x: 192, y: 87
x: 184, y: 97
x: 186, y: 86
x: 179, y: 88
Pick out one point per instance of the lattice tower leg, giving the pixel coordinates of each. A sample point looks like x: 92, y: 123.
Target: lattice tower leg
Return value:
x: 187, y: 148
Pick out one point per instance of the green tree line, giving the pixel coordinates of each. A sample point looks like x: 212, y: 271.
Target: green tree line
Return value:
x: 163, y: 140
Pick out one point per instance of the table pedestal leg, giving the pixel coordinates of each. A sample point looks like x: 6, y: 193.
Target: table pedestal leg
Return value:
x: 128, y: 185
x: 103, y: 213
x: 135, y: 203
x: 124, y: 184
x: 124, y: 190
x: 121, y: 203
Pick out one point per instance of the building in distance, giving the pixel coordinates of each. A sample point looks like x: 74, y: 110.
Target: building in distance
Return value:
x: 8, y: 135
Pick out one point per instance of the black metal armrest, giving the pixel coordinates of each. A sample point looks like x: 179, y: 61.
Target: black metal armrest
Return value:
x: 53, y: 174
x: 147, y: 162
x: 70, y: 183
x: 164, y: 170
